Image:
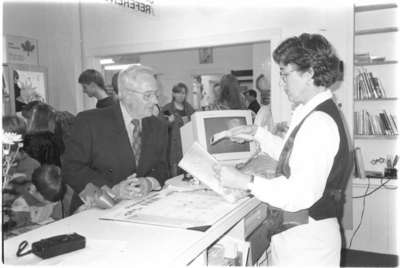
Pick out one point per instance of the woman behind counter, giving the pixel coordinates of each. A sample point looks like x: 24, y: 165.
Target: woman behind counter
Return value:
x: 314, y: 157
x: 178, y: 112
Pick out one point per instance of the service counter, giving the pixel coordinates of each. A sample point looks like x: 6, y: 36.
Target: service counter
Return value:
x: 114, y: 242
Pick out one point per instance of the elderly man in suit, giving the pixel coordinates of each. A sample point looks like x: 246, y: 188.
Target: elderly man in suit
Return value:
x: 122, y: 146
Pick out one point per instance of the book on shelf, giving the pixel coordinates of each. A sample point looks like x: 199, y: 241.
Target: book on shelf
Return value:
x: 367, y: 86
x: 374, y: 174
x: 360, y: 58
x: 382, y: 124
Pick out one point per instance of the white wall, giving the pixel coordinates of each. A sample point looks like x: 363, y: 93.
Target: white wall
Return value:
x: 57, y: 29
x: 180, y: 65
x: 110, y: 29
x: 188, y: 25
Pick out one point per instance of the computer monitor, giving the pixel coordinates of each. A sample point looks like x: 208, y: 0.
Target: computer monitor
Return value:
x: 204, y: 125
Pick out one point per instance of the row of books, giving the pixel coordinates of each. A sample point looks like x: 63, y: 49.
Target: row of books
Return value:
x: 368, y: 86
x: 360, y: 58
x: 382, y: 123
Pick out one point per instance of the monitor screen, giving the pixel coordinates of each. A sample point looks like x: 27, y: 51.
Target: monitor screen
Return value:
x: 218, y: 124
x: 205, y: 124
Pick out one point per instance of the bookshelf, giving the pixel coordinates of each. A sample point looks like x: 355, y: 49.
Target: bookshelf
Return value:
x: 375, y: 90
x: 375, y: 63
x: 375, y: 100
x: 377, y: 31
x: 372, y: 137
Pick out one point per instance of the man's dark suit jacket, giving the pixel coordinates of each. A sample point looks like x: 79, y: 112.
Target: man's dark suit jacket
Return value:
x: 99, y: 150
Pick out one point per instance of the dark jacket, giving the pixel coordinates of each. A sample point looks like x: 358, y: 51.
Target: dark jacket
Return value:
x: 108, y: 101
x: 174, y: 143
x: 99, y: 150
x: 45, y: 147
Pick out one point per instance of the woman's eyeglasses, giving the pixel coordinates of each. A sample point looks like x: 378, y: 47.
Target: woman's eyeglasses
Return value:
x: 284, y: 75
x: 379, y: 160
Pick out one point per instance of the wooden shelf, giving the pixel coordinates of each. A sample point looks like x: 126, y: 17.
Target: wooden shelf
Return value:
x: 375, y: 63
x: 381, y: 99
x: 363, y: 182
x: 377, y: 31
x: 374, y: 7
x: 375, y: 137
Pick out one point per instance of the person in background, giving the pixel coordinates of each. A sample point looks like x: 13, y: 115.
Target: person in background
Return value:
x: 63, y: 120
x: 114, y: 83
x: 251, y: 98
x: 92, y: 83
x: 47, y: 198
x: 229, y: 96
x: 40, y: 141
x: 19, y: 104
x: 178, y: 112
x: 123, y: 146
x: 24, y: 165
x: 20, y: 172
x: 314, y: 158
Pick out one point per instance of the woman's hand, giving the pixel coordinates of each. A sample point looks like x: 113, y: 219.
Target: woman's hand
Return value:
x: 230, y: 177
x: 241, y: 134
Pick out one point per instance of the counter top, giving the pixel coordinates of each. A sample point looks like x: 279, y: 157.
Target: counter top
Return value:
x: 112, y: 242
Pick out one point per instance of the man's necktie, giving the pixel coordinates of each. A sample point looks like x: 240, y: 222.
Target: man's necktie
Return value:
x: 136, y: 140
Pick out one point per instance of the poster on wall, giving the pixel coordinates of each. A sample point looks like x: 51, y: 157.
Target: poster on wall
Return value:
x: 24, y: 83
x: 21, y: 49
x: 32, y: 85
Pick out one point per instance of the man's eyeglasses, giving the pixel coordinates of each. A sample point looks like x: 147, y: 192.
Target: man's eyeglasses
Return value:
x: 285, y: 75
x: 146, y: 95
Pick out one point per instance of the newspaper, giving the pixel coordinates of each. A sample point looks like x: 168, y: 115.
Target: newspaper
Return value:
x: 199, y: 163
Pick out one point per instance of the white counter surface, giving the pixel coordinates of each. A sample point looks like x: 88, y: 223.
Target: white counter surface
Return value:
x: 113, y: 242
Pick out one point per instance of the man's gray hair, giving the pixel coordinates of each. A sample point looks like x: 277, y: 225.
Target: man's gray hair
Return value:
x: 130, y: 74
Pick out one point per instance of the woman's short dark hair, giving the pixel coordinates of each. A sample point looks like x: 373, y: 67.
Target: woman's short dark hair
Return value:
x: 42, y: 119
x: 48, y: 181
x: 230, y: 94
x: 179, y: 87
x: 310, y: 51
x: 15, y: 124
x: 90, y: 75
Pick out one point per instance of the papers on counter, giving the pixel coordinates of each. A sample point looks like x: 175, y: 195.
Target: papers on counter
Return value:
x: 173, y: 209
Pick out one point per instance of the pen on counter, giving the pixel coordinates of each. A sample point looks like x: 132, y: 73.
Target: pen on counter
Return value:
x: 396, y: 158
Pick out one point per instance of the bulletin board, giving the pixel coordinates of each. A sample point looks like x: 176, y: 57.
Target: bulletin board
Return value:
x: 24, y: 83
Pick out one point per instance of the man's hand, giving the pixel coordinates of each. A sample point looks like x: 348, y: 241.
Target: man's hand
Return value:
x: 133, y: 187
x: 230, y: 177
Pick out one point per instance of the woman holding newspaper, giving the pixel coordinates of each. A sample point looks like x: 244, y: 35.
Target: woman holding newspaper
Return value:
x: 314, y: 159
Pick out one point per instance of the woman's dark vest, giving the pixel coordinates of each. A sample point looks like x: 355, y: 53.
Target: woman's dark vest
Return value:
x: 330, y: 205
